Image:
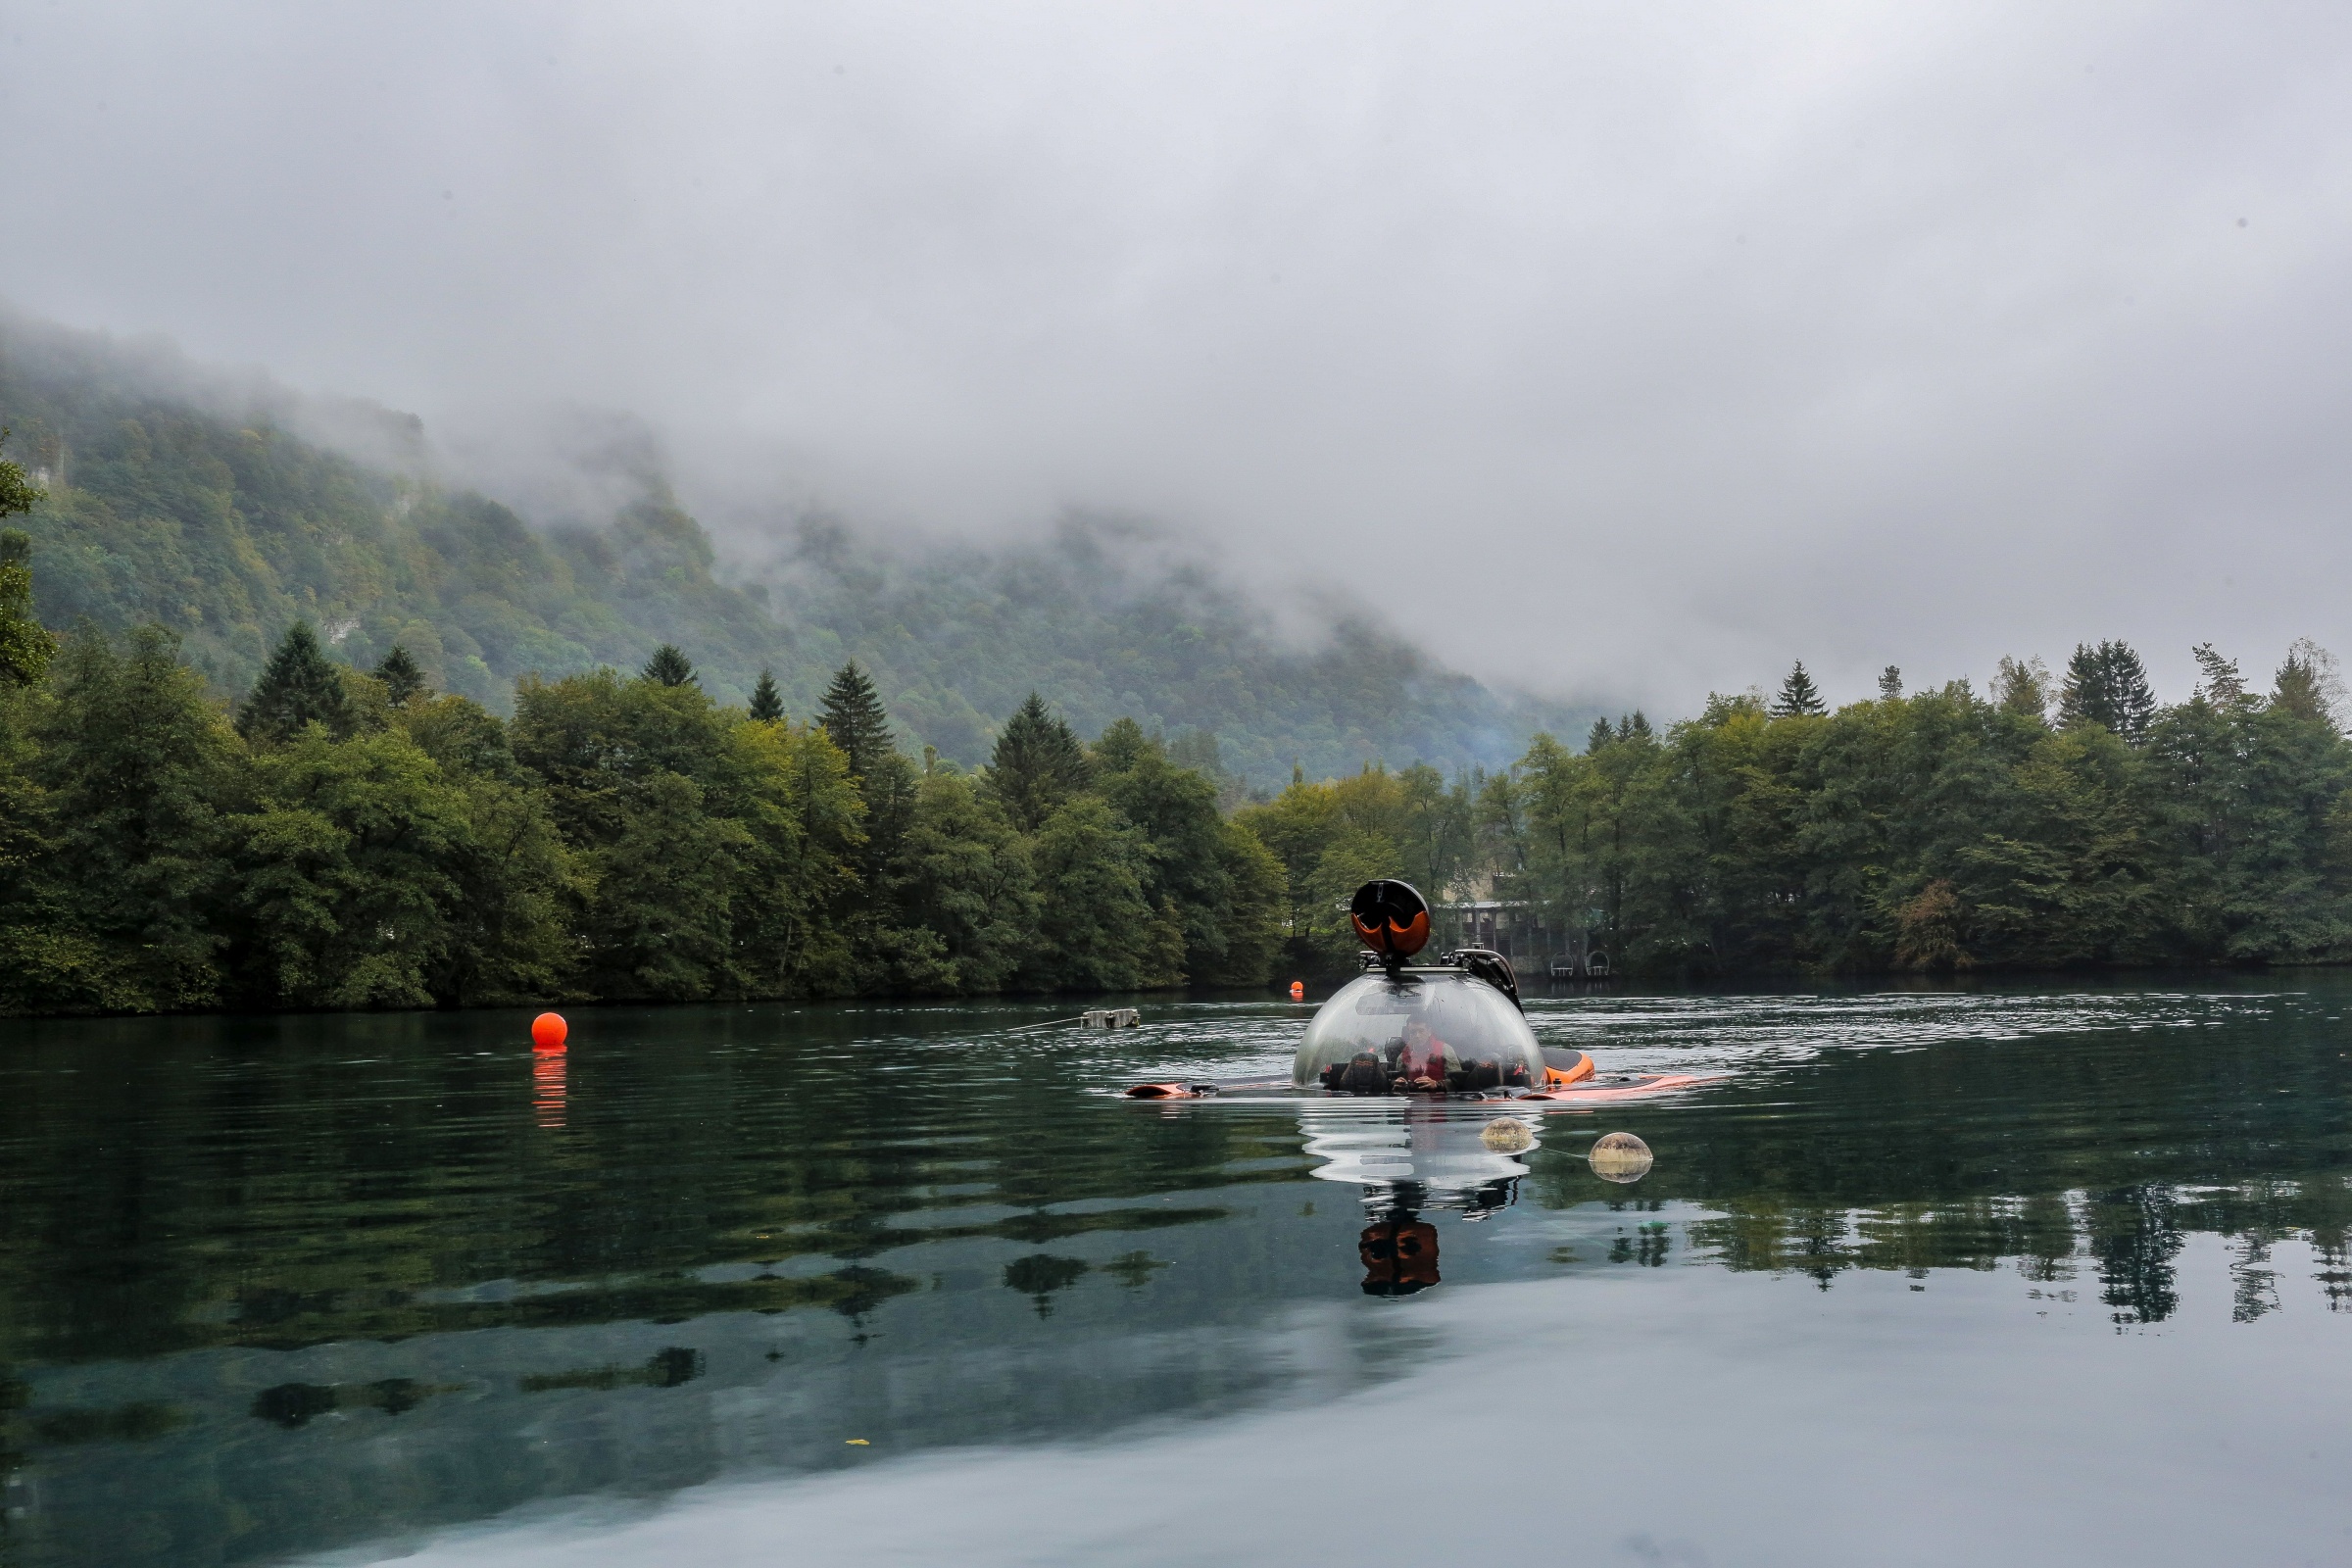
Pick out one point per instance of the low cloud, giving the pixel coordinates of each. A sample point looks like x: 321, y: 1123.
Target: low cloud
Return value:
x: 1626, y: 351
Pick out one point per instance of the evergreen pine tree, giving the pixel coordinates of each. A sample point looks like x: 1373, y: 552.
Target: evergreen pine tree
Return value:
x: 2082, y: 699
x: 138, y: 766
x: 2223, y: 686
x: 1636, y: 728
x: 1600, y: 736
x: 297, y: 686
x: 2135, y: 698
x: 768, y: 706
x: 1890, y: 684
x: 2023, y: 687
x: 1799, y: 696
x: 401, y: 677
x: 1037, y: 764
x: 668, y: 667
x: 853, y: 714
x: 2307, y: 684
x: 2108, y: 685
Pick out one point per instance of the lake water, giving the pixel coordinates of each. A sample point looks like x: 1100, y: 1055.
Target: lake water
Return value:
x: 2017, y: 1275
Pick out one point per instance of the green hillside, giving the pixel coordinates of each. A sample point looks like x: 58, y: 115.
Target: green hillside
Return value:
x: 1095, y: 621
x: 177, y: 497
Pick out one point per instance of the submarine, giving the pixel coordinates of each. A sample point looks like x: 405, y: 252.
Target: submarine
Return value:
x: 1452, y: 1029
x: 1421, y: 1085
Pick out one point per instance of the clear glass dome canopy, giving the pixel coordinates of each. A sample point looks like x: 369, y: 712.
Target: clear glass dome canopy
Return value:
x: 1418, y: 1032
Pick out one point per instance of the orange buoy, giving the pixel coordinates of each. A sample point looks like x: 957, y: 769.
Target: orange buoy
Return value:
x: 547, y: 1031
x: 1298, y: 991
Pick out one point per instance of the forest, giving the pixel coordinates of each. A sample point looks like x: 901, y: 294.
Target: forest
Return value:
x: 223, y: 513
x: 348, y: 838
x: 2052, y: 822
x: 345, y: 828
x: 2045, y: 824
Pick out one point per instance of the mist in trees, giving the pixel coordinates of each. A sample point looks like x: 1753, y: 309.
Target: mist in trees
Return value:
x: 227, y: 527
x: 346, y: 838
x: 360, y: 840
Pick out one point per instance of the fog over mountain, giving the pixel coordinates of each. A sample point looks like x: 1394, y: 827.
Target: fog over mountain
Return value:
x: 1628, y: 352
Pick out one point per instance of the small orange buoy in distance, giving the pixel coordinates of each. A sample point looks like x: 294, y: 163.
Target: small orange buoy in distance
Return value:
x: 547, y: 1031
x: 1298, y: 991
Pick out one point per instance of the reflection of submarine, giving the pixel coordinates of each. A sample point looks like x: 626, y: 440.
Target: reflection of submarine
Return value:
x: 1416, y: 1156
x: 1407, y: 1160
x: 1400, y: 1255
x: 1420, y: 1159
x: 1451, y: 1028
x: 1416, y: 1159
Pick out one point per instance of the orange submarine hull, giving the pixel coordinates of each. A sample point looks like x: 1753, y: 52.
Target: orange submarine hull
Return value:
x: 1570, y: 1079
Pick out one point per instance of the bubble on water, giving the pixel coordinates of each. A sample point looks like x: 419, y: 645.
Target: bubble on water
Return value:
x: 1620, y: 1158
x: 1507, y: 1135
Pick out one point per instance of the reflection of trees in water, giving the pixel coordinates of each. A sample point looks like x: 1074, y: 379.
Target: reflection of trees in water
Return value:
x: 478, y: 1424
x: 2256, y: 1287
x: 672, y: 1367
x: 1039, y: 1275
x: 1648, y: 1246
x: 279, y: 1206
x: 1135, y: 1269
x: 2132, y: 1237
x: 357, y: 1193
x: 296, y: 1405
x: 135, y: 1422
x: 2135, y: 1234
x: 2335, y: 1273
x: 2097, y: 1151
x: 285, y: 1203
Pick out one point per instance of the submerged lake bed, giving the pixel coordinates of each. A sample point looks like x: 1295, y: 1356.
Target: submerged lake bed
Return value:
x: 2030, y: 1273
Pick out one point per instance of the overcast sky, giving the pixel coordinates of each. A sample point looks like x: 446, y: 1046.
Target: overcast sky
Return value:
x: 1630, y: 349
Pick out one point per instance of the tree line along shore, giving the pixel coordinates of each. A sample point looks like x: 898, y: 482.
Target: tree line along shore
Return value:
x: 352, y: 837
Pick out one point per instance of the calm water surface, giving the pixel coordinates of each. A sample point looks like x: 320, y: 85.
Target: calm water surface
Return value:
x: 2014, y: 1275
